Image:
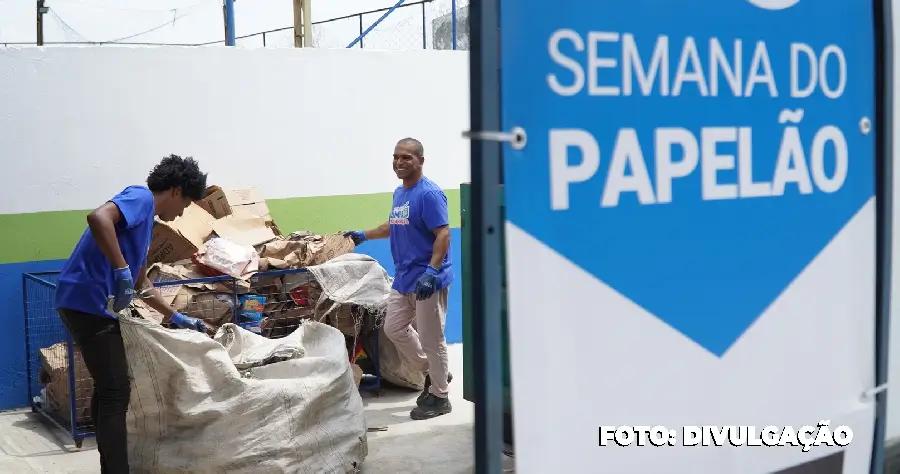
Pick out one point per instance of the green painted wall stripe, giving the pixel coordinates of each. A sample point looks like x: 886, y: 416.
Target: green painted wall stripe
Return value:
x: 53, y: 235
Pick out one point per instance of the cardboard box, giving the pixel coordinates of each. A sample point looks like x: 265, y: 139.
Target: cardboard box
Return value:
x: 304, y: 251
x: 159, y: 273
x: 145, y: 311
x: 357, y: 374
x: 245, y: 202
x: 212, y: 303
x: 179, y: 239
x: 55, y: 365
x: 250, y: 231
x: 215, y: 309
x: 162, y: 272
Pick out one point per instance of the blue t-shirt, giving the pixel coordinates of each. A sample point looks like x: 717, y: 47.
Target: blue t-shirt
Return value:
x: 87, y: 281
x: 417, y: 212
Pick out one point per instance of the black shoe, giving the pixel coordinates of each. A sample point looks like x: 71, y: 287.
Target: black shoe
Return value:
x: 421, y: 398
x: 432, y: 406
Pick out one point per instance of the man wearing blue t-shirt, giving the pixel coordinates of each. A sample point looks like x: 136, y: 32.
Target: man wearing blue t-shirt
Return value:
x: 419, y: 231
x: 99, y: 279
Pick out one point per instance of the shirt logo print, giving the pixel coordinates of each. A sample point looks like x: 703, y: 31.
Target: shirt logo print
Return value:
x: 400, y: 215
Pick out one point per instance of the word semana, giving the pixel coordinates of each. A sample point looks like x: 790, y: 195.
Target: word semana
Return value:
x: 806, y: 437
x: 672, y: 67
x: 644, y: 165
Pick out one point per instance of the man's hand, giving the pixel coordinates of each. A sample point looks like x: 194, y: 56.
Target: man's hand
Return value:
x: 124, y: 289
x: 186, y: 322
x: 427, y: 284
x: 358, y: 236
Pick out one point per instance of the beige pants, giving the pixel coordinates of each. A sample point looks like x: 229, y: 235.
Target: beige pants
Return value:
x: 417, y: 329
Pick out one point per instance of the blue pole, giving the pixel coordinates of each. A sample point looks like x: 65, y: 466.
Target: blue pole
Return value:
x: 229, y: 22
x: 453, y: 23
x: 485, y: 106
x: 884, y: 224
x: 379, y: 20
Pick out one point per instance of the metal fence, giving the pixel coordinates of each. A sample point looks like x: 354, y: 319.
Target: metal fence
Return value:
x: 59, y: 386
x: 422, y: 24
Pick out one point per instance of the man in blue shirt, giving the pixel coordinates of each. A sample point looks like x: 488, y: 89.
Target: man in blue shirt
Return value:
x: 419, y: 232
x: 98, y: 281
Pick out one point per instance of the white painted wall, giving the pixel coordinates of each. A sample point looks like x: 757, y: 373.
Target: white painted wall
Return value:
x: 77, y: 124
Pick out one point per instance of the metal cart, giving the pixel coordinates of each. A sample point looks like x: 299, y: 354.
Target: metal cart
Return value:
x: 59, y: 386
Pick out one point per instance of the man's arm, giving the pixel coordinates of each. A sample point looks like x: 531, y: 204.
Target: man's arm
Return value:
x: 381, y: 232
x: 437, y: 218
x: 102, y: 222
x: 440, y: 247
x: 152, y: 296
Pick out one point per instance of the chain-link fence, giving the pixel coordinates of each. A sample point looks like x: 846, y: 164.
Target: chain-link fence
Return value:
x: 416, y: 25
x: 422, y: 24
x: 450, y: 29
x: 59, y: 384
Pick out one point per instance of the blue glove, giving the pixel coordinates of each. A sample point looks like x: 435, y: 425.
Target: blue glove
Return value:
x: 427, y: 284
x: 186, y: 322
x: 124, y: 289
x: 358, y: 236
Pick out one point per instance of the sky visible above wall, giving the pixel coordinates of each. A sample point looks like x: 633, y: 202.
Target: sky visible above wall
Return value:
x: 200, y: 21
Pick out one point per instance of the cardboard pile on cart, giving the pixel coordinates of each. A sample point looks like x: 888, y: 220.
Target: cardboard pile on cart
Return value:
x: 239, y: 215
x: 231, y: 232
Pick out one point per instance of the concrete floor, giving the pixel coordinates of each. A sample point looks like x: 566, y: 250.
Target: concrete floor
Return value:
x: 441, y: 445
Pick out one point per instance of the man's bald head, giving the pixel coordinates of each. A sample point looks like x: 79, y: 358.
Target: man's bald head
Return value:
x: 409, y: 156
x: 413, y: 145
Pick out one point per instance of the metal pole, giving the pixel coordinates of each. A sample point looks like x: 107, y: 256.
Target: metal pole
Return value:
x: 307, y: 24
x: 360, y: 32
x: 484, y: 77
x: 229, y: 22
x: 453, y: 24
x: 73, y: 405
x: 884, y: 187
x: 40, y: 10
x: 298, y: 23
x: 424, y: 30
x: 264, y: 39
x: 28, y: 336
x: 373, y: 25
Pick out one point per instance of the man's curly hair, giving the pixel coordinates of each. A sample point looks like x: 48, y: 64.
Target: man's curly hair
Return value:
x: 177, y: 172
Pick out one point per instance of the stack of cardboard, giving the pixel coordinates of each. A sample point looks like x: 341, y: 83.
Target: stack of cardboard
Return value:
x: 55, y: 376
x: 241, y: 216
x: 280, y: 302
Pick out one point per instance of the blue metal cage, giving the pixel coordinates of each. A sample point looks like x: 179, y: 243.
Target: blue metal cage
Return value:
x: 59, y: 387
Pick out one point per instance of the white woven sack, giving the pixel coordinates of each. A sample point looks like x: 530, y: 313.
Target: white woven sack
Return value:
x: 193, y: 411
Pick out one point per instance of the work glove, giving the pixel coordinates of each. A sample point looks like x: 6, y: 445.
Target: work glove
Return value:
x: 358, y: 236
x: 427, y: 284
x: 124, y: 288
x: 186, y: 322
